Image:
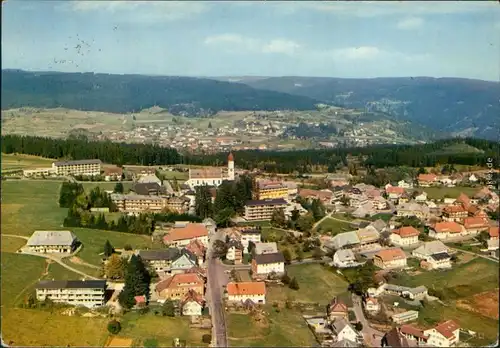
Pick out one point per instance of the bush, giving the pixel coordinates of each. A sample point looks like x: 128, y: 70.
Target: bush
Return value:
x: 206, y: 338
x: 294, y: 284
x: 285, y: 279
x: 358, y: 326
x: 114, y: 327
x: 127, y: 247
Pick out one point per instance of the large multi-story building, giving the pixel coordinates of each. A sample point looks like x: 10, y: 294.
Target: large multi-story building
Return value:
x: 390, y: 258
x: 454, y: 213
x: 179, y: 285
x: 271, y: 190
x: 139, y: 203
x: 82, y: 167
x: 39, y: 172
x: 263, y: 209
x: 182, y: 236
x: 213, y: 176
x: 88, y: 293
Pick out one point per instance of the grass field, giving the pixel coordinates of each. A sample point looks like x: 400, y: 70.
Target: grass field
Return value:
x: 433, y: 313
x: 31, y: 205
x: 32, y: 327
x: 93, y: 242
x: 286, y: 328
x: 452, y: 192
x: 107, y: 185
x: 333, y: 227
x: 17, y: 161
x: 161, y: 329
x: 317, y: 285
x: 463, y: 280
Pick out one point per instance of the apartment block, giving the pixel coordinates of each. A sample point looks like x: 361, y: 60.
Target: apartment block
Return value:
x: 88, y: 293
x: 263, y: 209
x: 82, y: 167
x: 271, y: 190
x: 139, y: 203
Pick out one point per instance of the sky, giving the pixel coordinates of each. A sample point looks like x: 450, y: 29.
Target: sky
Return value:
x: 273, y: 38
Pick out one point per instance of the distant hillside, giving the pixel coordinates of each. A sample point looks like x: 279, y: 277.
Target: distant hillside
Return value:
x: 460, y: 106
x: 129, y: 93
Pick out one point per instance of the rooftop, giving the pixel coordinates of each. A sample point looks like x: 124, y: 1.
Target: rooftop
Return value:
x: 278, y: 201
x: 391, y: 254
x: 41, y: 238
x: 190, y: 231
x: 407, y: 231
x: 71, y: 284
x: 77, y: 162
x: 246, y: 288
x: 269, y: 258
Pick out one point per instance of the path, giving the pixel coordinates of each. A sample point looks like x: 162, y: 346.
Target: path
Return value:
x: 79, y: 261
x: 331, y: 217
x: 368, y: 332
x: 473, y: 253
x: 14, y: 236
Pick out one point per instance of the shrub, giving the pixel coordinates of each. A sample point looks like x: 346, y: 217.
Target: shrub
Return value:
x: 127, y: 247
x: 206, y: 338
x: 114, y: 327
x: 294, y: 284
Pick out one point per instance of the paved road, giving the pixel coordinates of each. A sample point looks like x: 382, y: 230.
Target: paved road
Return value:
x: 216, y: 279
x: 294, y: 262
x: 368, y: 332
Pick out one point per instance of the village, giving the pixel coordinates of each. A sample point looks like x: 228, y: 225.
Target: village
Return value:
x: 377, y: 241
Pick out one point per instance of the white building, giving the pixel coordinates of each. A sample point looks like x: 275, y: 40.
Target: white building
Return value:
x: 192, y: 304
x: 344, y: 331
x: 266, y: 248
x: 243, y: 291
x: 82, y: 167
x: 405, y: 184
x: 182, y: 236
x: 405, y: 236
x: 249, y: 235
x: 345, y: 258
x: 39, y: 172
x: 212, y: 176
x: 63, y: 242
x: 428, y: 249
x: 445, y: 334
x: 88, y: 293
x: 372, y: 304
x: 265, y: 264
x: 149, y: 179
x: 390, y: 259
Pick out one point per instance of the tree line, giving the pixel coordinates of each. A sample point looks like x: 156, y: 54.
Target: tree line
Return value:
x: 77, y: 148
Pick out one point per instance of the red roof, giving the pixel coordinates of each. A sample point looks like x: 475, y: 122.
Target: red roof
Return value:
x: 196, y: 247
x: 446, y: 329
x: 464, y: 199
x: 475, y: 222
x: 246, y: 288
x: 230, y: 158
x: 192, y: 296
x: 407, y: 231
x: 413, y: 331
x: 190, y: 231
x: 447, y: 227
x: 140, y: 299
x: 182, y: 280
x: 391, y: 254
x: 337, y: 306
x: 493, y: 231
x: 454, y: 209
x: 306, y: 193
x: 395, y: 189
x: 427, y: 177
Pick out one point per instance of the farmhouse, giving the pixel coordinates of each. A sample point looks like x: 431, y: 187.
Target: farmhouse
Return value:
x: 446, y: 229
x: 149, y: 179
x: 182, y: 236
x: 427, y: 180
x: 244, y: 291
x: 88, y: 293
x: 160, y: 260
x: 177, y: 286
x: 212, y: 176
x: 149, y: 189
x: 475, y: 225
x: 435, y: 253
x: 345, y: 258
x: 413, y: 209
x: 405, y: 236
x: 390, y: 258
x: 263, y: 209
x: 264, y: 264
x: 81, y: 167
x: 63, y: 242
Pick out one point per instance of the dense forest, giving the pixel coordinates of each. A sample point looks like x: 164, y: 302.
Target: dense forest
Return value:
x: 185, y: 96
x: 379, y: 156
x: 302, y: 161
x: 81, y: 148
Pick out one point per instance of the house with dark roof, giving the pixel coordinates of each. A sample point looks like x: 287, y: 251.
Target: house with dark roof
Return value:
x: 57, y: 242
x: 394, y: 339
x: 88, y: 293
x: 265, y: 264
x: 149, y: 189
x: 160, y: 260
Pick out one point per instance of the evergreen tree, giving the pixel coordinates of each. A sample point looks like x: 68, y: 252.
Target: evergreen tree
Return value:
x: 108, y: 249
x: 317, y: 209
x: 168, y: 308
x: 118, y: 188
x: 287, y: 255
x: 223, y: 217
x: 278, y: 218
x: 137, y: 281
x: 203, y: 202
x: 225, y: 196
x: 294, y: 284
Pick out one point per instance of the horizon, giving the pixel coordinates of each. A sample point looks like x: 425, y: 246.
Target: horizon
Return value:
x: 353, y: 40
x: 252, y: 76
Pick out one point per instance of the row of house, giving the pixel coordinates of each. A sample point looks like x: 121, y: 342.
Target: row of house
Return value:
x: 445, y: 334
x: 89, y: 167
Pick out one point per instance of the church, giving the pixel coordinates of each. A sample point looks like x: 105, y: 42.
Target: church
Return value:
x: 211, y: 176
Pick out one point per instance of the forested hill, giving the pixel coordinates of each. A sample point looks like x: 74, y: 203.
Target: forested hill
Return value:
x: 451, y: 151
x: 129, y: 93
x: 461, y: 106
